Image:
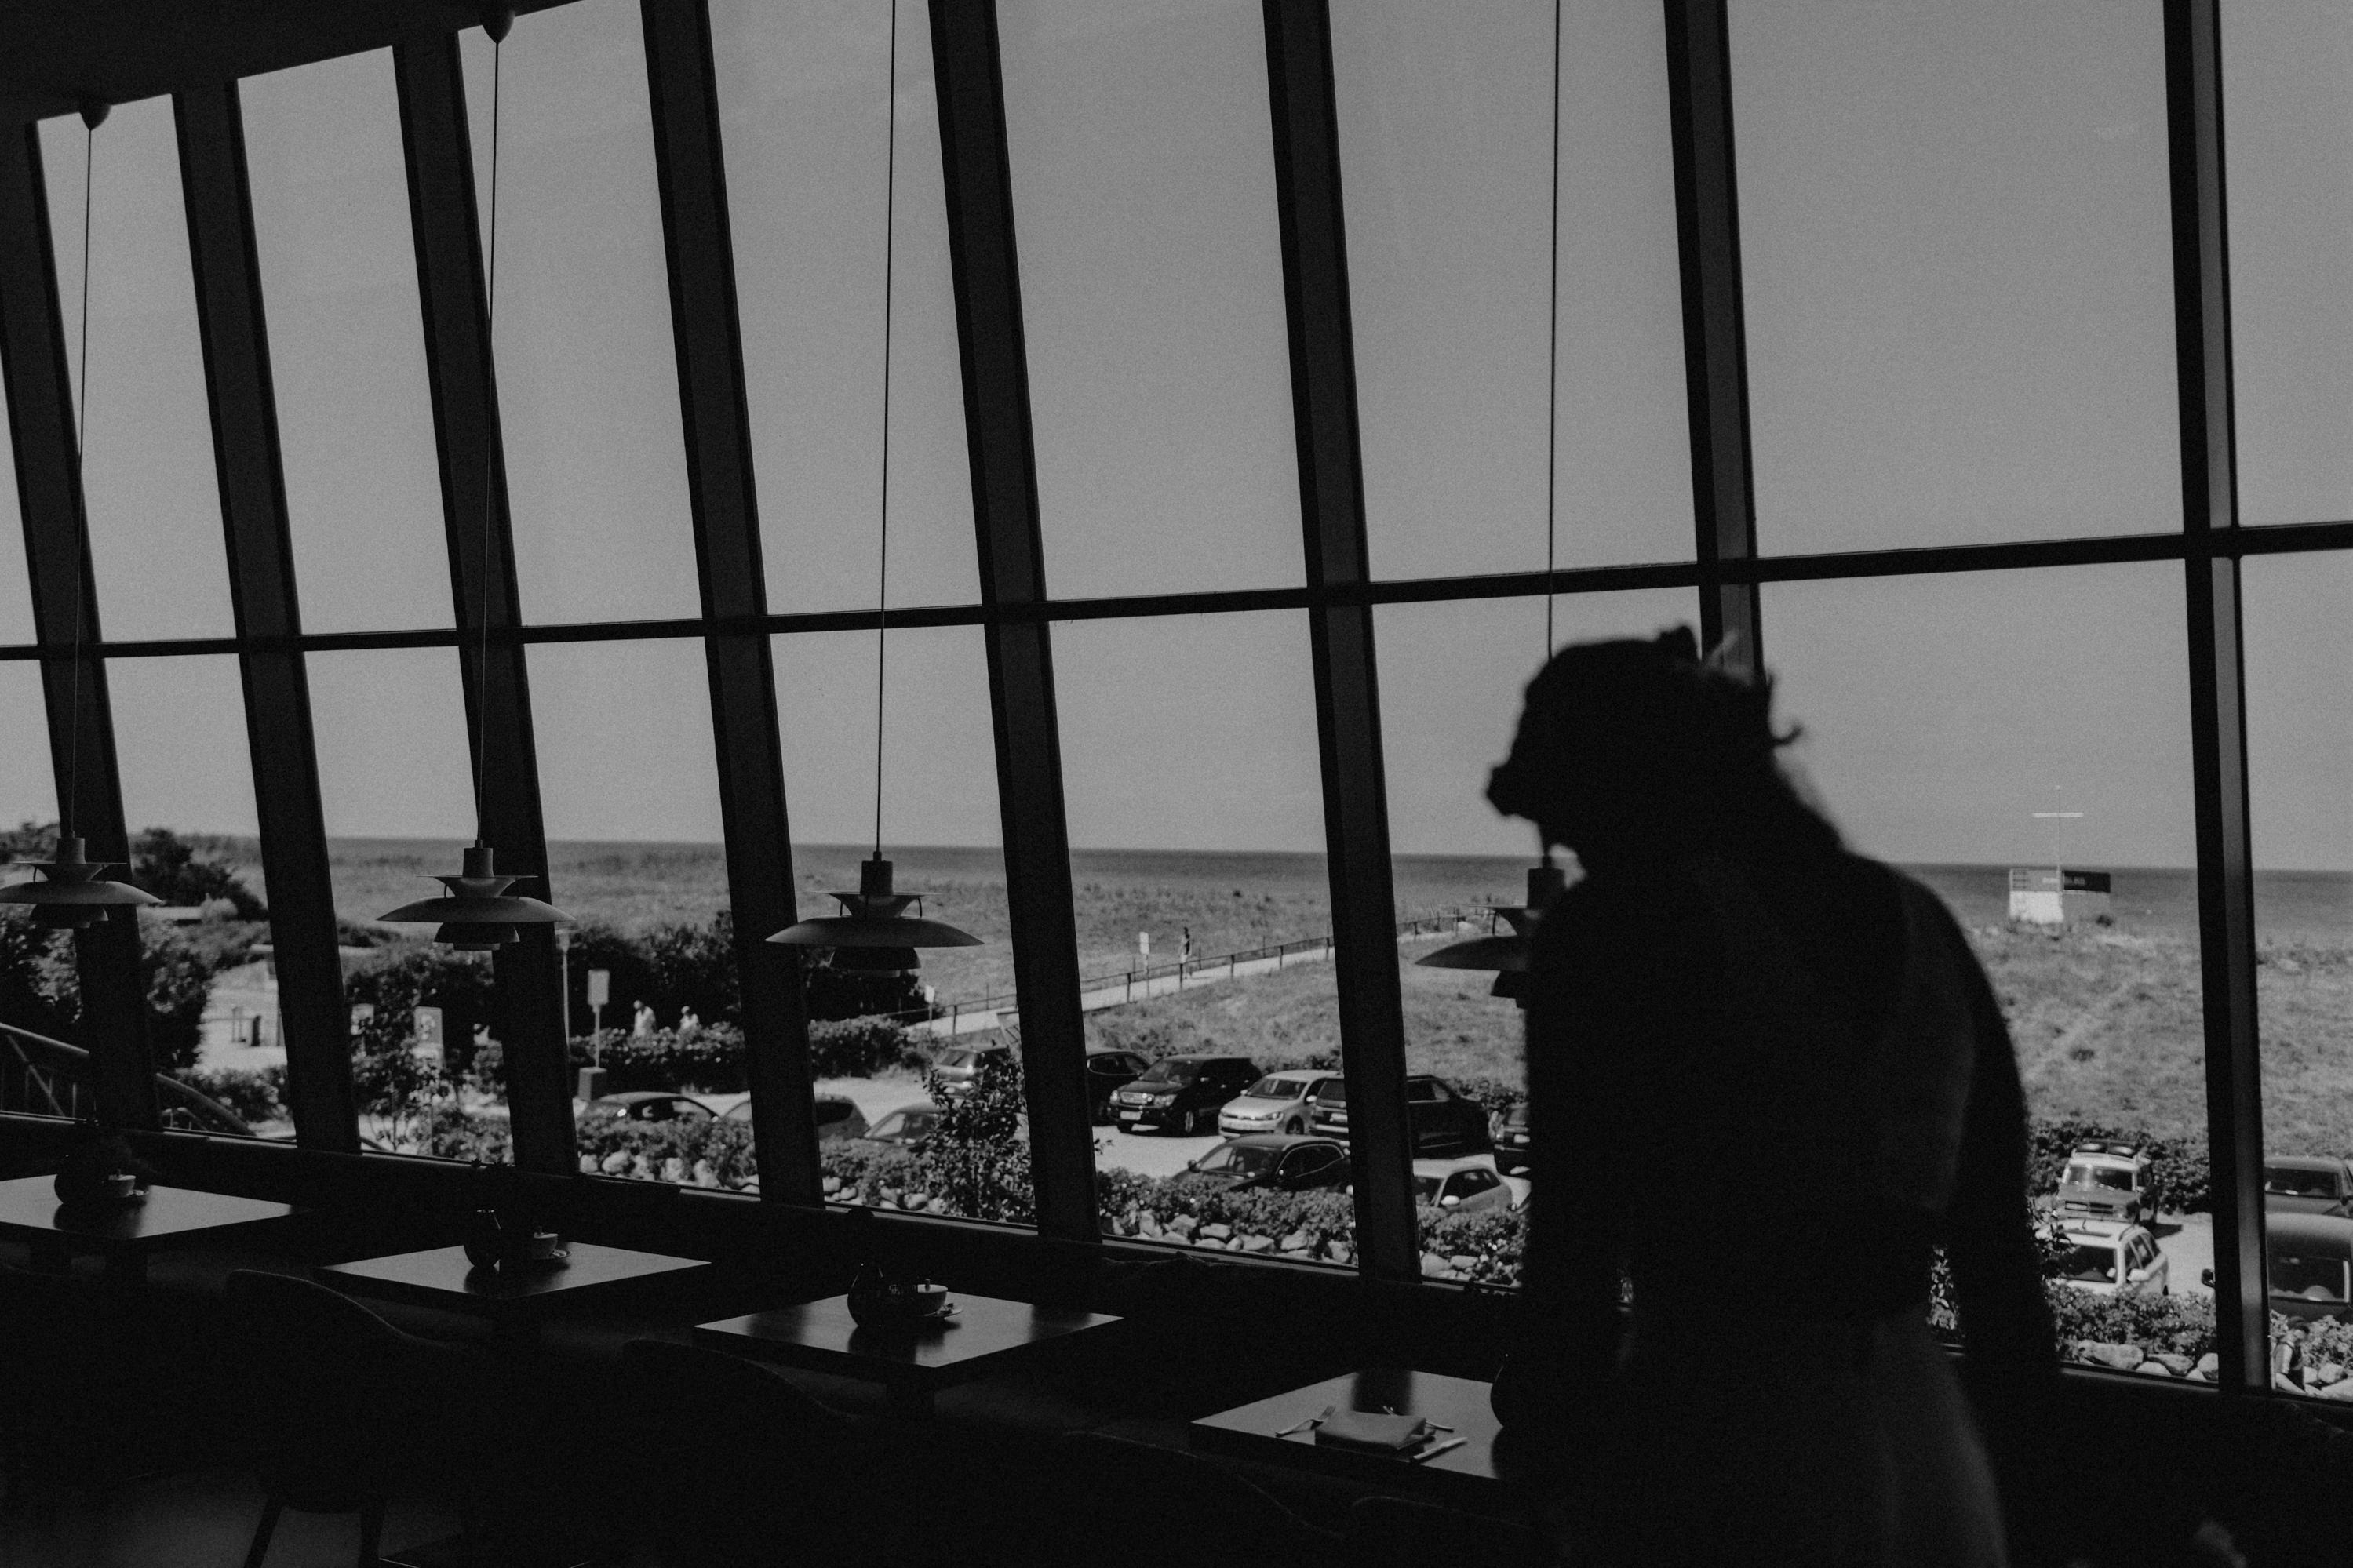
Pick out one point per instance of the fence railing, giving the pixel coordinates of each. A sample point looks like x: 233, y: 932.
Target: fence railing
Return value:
x: 1140, y: 978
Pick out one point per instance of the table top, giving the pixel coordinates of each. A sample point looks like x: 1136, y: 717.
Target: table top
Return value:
x: 822, y: 1336
x: 1248, y: 1431
x: 441, y: 1277
x: 168, y: 1216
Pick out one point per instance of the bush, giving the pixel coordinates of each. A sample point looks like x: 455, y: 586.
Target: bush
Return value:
x: 2160, y: 1325
x: 168, y: 865
x: 713, y: 1153
x: 256, y: 1094
x: 710, y: 1060
x: 861, y: 1047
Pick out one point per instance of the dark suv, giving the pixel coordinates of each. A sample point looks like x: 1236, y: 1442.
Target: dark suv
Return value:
x: 1182, y: 1094
x: 1444, y: 1123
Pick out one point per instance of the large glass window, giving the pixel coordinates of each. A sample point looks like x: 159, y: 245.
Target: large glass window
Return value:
x: 16, y: 591
x: 1955, y: 242
x: 588, y: 404
x: 892, y: 1048
x: 153, y: 503
x: 1451, y: 681
x: 346, y: 345
x: 1446, y: 127
x: 807, y: 106
x: 1204, y: 918
x: 2299, y: 747
x: 1152, y: 294
x: 2290, y: 146
x: 2020, y: 743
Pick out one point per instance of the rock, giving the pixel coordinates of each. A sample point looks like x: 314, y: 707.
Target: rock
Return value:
x: 2153, y: 1367
x: 1211, y: 1242
x: 1337, y: 1251
x: 1257, y: 1244
x: 1183, y: 1224
x: 587, y: 1165
x: 1464, y: 1262
x: 2178, y: 1366
x: 1432, y: 1265
x: 1218, y: 1232
x: 830, y: 1185
x: 2123, y: 1358
x: 1148, y: 1228
x: 2209, y: 1365
x: 673, y: 1170
x: 705, y: 1174
x: 2342, y: 1389
x: 1297, y: 1241
x: 937, y: 1205
x: 1294, y: 1252
x: 2323, y: 1374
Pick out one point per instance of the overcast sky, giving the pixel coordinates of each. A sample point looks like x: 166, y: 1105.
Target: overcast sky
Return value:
x: 1955, y: 235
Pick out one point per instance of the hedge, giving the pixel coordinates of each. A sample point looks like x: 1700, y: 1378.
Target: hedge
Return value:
x: 256, y: 1094
x: 710, y: 1060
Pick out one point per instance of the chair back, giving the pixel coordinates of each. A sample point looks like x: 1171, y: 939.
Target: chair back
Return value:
x: 1169, y: 1507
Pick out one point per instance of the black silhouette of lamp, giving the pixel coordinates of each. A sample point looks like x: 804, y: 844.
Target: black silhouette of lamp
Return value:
x: 1505, y: 952
x: 875, y: 934
x: 477, y: 914
x: 71, y: 893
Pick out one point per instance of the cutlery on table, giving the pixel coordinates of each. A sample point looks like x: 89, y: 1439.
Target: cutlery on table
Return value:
x: 1432, y: 1453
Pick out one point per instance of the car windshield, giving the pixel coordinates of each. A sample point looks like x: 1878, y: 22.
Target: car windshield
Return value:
x: 1238, y: 1160
x: 2311, y: 1278
x: 2297, y: 1183
x: 2081, y: 1175
x: 1425, y: 1189
x: 2090, y: 1261
x: 904, y: 1124
x: 1334, y: 1092
x: 1274, y: 1088
x: 1178, y: 1074
x: 958, y: 1057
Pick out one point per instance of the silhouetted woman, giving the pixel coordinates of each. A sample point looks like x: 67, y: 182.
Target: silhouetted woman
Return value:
x: 1767, y: 1077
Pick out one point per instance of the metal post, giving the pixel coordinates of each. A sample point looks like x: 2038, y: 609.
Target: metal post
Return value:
x: 745, y: 729
x: 2209, y: 502
x: 1715, y: 350
x: 304, y: 958
x: 1307, y: 189
x: 449, y: 286
x: 49, y: 492
x: 984, y: 263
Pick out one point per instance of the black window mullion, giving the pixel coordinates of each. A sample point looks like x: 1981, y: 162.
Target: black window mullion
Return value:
x: 1715, y: 351
x: 450, y: 291
x: 246, y: 457
x: 716, y: 418
x: 1306, y: 118
x: 56, y: 558
x: 2209, y: 499
x: 983, y: 263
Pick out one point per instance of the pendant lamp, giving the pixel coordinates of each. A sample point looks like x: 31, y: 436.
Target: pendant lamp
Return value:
x: 875, y: 934
x: 477, y: 914
x: 70, y: 892
x: 1506, y: 953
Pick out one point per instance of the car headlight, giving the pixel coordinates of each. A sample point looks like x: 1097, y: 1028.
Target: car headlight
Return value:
x: 1163, y: 1100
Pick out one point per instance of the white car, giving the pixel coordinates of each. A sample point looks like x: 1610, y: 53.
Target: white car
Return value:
x: 1279, y: 1102
x: 2106, y: 1259
x: 1460, y: 1186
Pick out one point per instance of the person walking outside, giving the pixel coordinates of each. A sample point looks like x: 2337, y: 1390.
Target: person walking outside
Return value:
x: 1729, y: 987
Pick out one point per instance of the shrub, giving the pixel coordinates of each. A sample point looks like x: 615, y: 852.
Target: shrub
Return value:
x: 2160, y: 1325
x: 256, y: 1094
x: 710, y: 1060
x: 169, y: 867
x: 713, y: 1153
x: 861, y: 1047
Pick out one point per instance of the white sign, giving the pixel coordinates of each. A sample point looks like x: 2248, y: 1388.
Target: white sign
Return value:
x: 1144, y: 943
x: 600, y: 987
x: 427, y: 1023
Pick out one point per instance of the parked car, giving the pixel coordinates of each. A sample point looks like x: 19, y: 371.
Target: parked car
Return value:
x: 2311, y: 1265
x: 2108, y: 1259
x: 1460, y: 1186
x: 1512, y: 1142
x: 906, y: 1127
x: 2105, y: 1180
x: 647, y: 1105
x: 1443, y: 1121
x: 1279, y: 1102
x: 1277, y: 1160
x: 958, y: 1067
x: 1109, y: 1071
x: 1183, y: 1093
x: 837, y: 1117
x: 2308, y: 1183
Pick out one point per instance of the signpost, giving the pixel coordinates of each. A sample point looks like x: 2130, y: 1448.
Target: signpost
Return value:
x: 563, y: 951
x: 600, y: 991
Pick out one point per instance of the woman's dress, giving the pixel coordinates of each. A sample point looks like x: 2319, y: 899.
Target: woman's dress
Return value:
x: 1767, y: 1097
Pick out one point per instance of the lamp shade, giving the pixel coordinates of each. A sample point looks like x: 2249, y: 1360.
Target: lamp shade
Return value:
x: 69, y: 894
x: 477, y: 913
x: 1505, y: 953
x: 874, y: 932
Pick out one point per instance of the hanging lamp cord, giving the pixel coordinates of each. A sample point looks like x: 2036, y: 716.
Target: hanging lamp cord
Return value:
x: 90, y: 116
x: 882, y: 568
x: 1552, y: 385
x: 490, y: 431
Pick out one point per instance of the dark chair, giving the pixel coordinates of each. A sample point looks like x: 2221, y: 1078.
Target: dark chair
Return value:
x: 72, y: 1369
x: 1405, y: 1533
x: 347, y: 1407
x: 747, y: 1469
